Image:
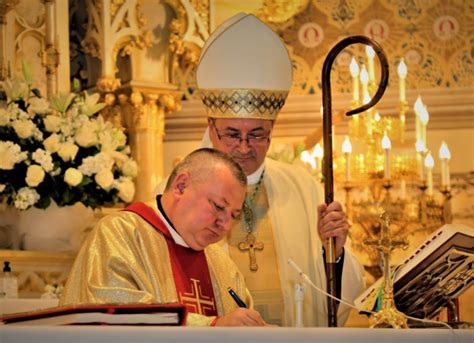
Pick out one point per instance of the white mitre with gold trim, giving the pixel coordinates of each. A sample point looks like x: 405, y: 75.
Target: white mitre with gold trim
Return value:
x: 244, y: 70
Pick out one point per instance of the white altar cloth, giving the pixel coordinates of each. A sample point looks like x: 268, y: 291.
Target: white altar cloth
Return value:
x: 119, y: 334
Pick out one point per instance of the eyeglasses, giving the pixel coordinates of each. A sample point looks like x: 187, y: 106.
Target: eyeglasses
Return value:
x: 234, y: 139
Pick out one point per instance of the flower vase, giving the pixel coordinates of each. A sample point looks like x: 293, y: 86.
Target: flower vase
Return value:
x: 55, y: 229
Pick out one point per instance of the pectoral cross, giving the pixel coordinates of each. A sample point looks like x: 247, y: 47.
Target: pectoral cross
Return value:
x: 251, y: 246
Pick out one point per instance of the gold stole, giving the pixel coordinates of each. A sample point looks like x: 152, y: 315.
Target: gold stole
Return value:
x: 264, y: 283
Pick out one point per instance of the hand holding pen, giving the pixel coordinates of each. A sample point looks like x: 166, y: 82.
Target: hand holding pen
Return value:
x: 241, y: 316
x: 236, y: 298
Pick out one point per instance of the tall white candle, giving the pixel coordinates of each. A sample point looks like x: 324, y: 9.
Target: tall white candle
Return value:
x: 402, y: 74
x: 347, y: 149
x: 429, y: 164
x: 386, y: 145
x: 418, y: 107
x: 424, y: 118
x: 420, y: 156
x: 370, y: 62
x: 444, y: 156
x: 354, y: 69
x: 318, y: 155
x: 364, y: 80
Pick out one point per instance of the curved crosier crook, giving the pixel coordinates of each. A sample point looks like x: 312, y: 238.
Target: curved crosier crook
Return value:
x: 327, y: 129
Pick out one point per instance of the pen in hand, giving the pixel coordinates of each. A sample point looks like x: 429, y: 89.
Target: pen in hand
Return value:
x: 236, y: 298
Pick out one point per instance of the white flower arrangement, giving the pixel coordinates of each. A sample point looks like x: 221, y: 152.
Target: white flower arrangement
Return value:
x: 60, y: 150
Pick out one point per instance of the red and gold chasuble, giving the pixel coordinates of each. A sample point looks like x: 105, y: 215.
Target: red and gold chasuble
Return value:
x: 190, y: 268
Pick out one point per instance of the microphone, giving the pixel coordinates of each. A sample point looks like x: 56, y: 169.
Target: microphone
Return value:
x: 309, y: 282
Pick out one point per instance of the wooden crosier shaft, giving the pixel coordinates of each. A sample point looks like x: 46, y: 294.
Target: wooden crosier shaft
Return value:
x: 330, y: 245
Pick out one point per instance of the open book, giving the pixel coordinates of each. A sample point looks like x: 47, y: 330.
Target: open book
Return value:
x: 123, y: 314
x: 440, y: 270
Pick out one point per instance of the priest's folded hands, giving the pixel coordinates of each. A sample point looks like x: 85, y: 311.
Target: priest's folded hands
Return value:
x: 332, y: 222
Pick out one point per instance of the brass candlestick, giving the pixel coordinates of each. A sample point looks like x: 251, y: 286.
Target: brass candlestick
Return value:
x: 388, y: 316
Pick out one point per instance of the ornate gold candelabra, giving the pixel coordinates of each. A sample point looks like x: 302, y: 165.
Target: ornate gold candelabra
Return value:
x: 383, y: 175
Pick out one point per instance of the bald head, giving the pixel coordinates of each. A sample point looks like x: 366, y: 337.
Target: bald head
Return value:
x: 201, y: 165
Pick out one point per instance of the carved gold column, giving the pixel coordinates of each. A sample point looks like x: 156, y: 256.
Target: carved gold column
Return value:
x: 50, y: 55
x: 5, y: 6
x: 143, y: 114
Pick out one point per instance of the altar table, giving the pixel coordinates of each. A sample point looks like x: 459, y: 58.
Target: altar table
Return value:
x: 119, y: 334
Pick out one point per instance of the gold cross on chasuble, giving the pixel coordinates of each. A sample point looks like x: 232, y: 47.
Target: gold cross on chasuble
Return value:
x: 251, y: 246
x: 196, y: 299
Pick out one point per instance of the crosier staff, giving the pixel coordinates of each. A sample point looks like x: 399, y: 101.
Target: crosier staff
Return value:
x: 327, y: 136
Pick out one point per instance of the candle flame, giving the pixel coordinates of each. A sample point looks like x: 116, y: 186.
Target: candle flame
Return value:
x: 420, y: 146
x: 402, y: 69
x: 429, y: 161
x: 377, y: 116
x: 306, y: 157
x: 318, y: 151
x: 444, y: 153
x: 369, y: 51
x: 321, y: 111
x: 354, y: 68
x: 367, y: 99
x: 364, y: 76
x: 424, y: 115
x: 346, y: 146
x: 418, y: 107
x: 386, y: 144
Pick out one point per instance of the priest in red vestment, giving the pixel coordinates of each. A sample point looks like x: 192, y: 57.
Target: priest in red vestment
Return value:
x: 164, y: 252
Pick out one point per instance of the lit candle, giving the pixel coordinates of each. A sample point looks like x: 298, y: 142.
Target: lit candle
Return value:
x: 318, y: 155
x: 354, y: 69
x: 307, y: 158
x: 347, y: 149
x: 370, y: 58
x: 429, y: 164
x: 402, y: 74
x: 418, y: 107
x: 424, y: 118
x: 364, y: 80
x: 386, y: 145
x: 420, y: 152
x: 368, y: 115
x: 445, y: 156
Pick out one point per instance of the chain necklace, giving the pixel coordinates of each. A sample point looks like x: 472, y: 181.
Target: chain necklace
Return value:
x: 250, y: 243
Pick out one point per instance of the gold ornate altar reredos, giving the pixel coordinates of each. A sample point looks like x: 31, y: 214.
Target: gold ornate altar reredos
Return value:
x: 433, y: 37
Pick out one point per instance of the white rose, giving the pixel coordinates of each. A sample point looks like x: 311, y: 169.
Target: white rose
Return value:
x: 2, y: 187
x: 24, y: 128
x: 38, y: 105
x: 52, y: 123
x: 52, y: 143
x: 34, y: 175
x: 126, y: 189
x: 86, y: 135
x: 10, y: 154
x: 68, y: 151
x: 73, y: 177
x: 130, y: 168
x: 104, y: 178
